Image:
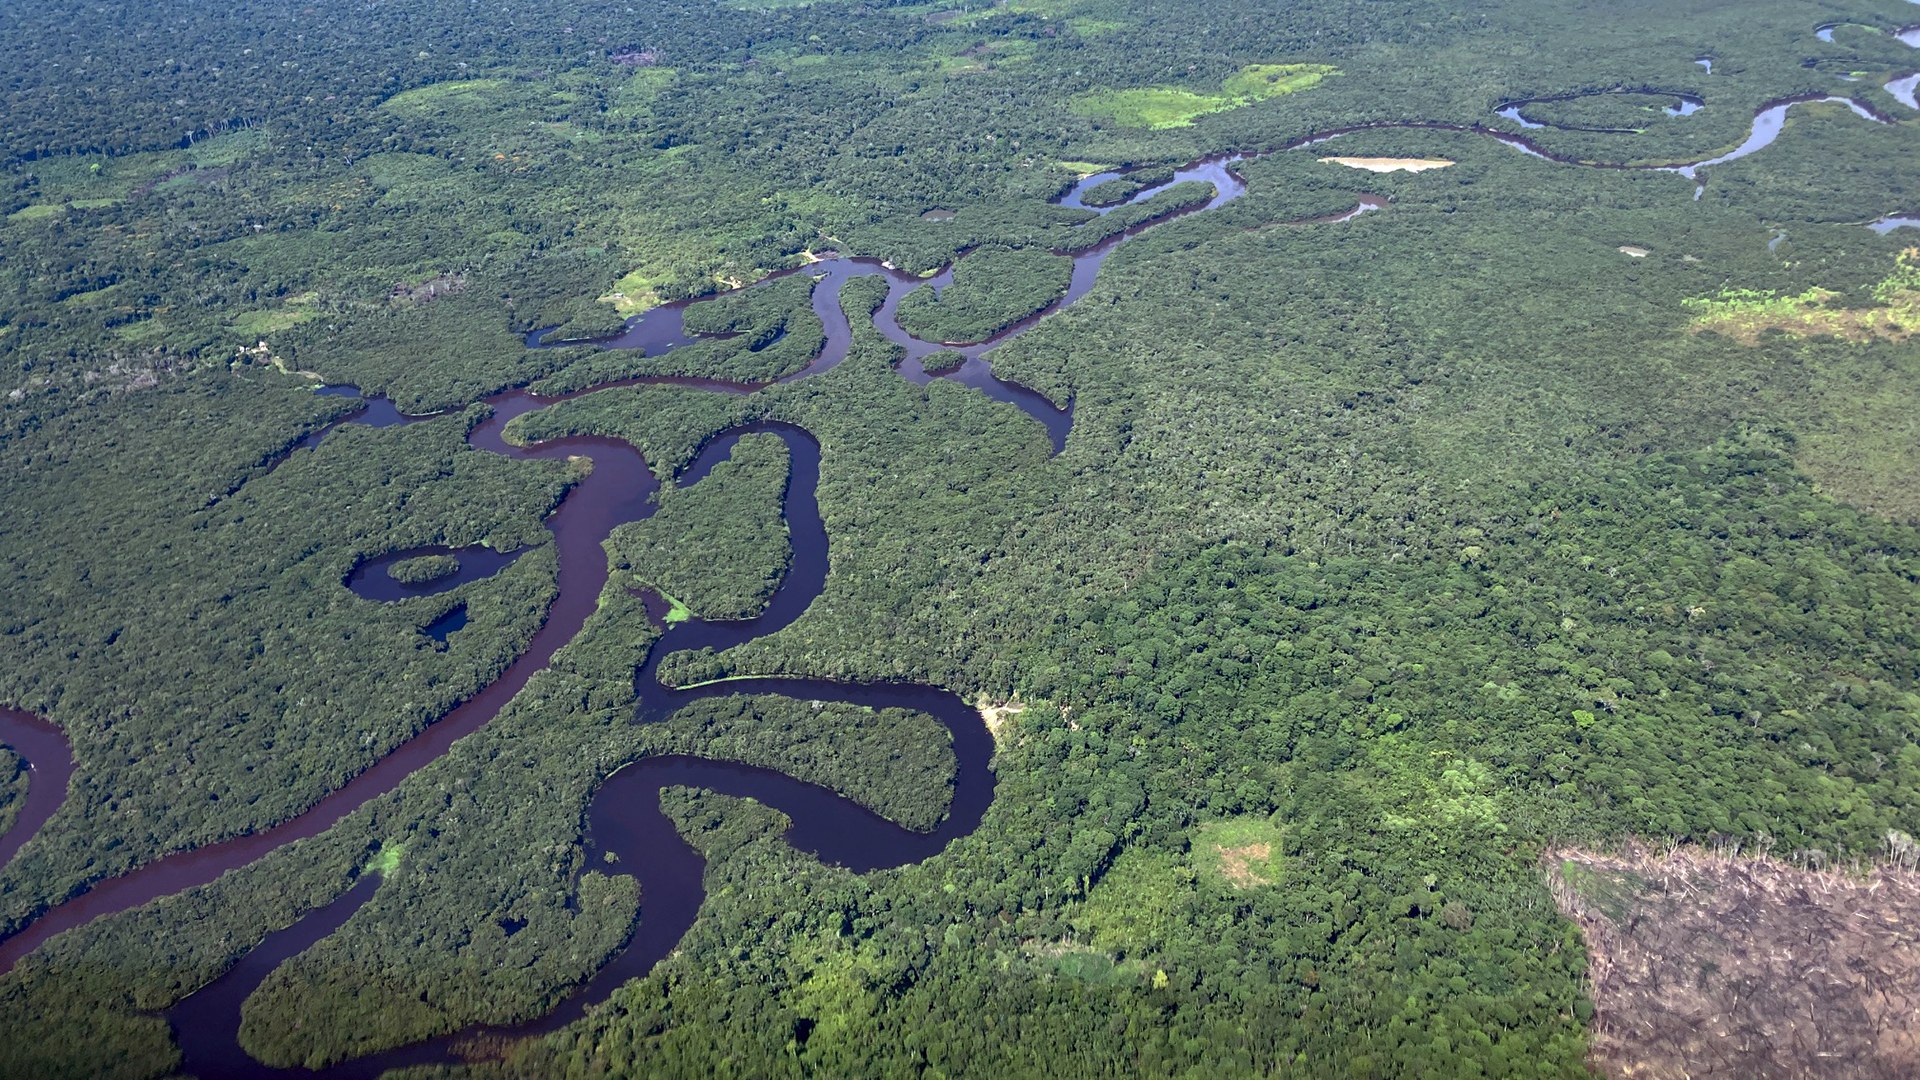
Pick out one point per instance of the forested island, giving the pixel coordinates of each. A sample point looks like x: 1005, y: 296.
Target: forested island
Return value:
x: 960, y: 538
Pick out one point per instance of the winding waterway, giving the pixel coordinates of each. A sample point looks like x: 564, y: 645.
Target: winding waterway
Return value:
x: 1905, y: 88
x: 624, y: 816
x: 1683, y: 105
x: 625, y: 819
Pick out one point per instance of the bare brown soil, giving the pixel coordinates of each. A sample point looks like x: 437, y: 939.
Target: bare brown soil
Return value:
x: 996, y: 717
x: 1237, y: 864
x: 1718, y: 964
x: 429, y: 290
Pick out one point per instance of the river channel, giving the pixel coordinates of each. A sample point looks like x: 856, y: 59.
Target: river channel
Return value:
x: 624, y: 818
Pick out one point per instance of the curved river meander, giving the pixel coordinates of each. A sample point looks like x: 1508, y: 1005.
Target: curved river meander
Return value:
x: 624, y: 817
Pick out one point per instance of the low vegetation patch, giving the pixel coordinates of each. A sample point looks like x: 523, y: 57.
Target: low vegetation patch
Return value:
x: 387, y: 859
x: 1083, y: 963
x: 258, y: 324
x: 1172, y: 106
x: 635, y: 292
x: 1858, y: 438
x: 677, y: 611
x: 1258, y: 82
x: 1242, y: 852
x: 1746, y: 314
x: 42, y: 211
x: 441, y: 95
x: 997, y: 717
x: 1083, y: 168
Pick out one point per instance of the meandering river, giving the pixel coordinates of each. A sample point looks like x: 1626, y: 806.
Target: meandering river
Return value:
x: 624, y: 818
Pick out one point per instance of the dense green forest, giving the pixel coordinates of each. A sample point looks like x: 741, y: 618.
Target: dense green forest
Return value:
x: 1383, y: 554
x: 993, y: 289
x: 720, y: 546
x: 13, y: 788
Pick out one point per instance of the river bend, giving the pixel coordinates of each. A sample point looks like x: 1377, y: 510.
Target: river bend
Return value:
x: 624, y: 816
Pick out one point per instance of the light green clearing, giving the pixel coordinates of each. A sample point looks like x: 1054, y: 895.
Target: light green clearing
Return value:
x: 1159, y: 107
x: 93, y: 182
x: 387, y: 859
x: 1612, y: 891
x: 179, y: 183
x: 1091, y: 966
x: 1155, y: 107
x: 1239, y: 852
x: 973, y: 11
x: 991, y: 54
x: 635, y: 293
x: 141, y: 332
x: 258, y: 324
x: 640, y: 90
x: 226, y: 149
x: 1083, y: 169
x: 444, y: 94
x: 41, y: 211
x: 677, y: 612
x: 1745, y: 314
x: 94, y: 296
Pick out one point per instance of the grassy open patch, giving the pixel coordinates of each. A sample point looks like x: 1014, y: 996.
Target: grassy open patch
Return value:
x: 987, y: 55
x: 1745, y: 314
x: 459, y: 92
x: 1082, y: 963
x: 1258, y: 82
x: 42, y: 211
x: 635, y: 293
x: 1150, y: 106
x: 1091, y: 27
x: 969, y: 12
x: 258, y: 324
x: 228, y: 148
x: 1160, y: 107
x: 642, y: 88
x: 1083, y: 168
x: 1863, y: 444
x: 1242, y: 852
x: 387, y: 859
x: 1860, y: 440
x: 677, y: 612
